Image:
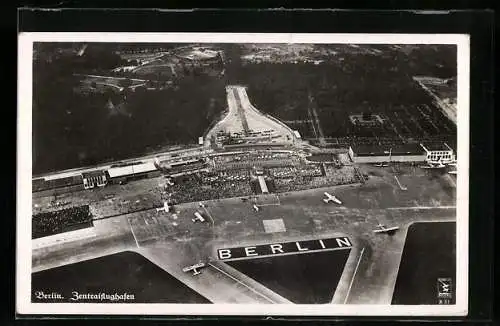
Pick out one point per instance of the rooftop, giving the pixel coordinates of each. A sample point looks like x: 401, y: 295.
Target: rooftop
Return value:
x: 91, y: 174
x: 131, y: 170
x: 378, y: 150
x: 436, y: 146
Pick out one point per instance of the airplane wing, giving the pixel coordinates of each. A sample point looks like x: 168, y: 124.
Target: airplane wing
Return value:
x: 386, y: 230
x: 193, y: 267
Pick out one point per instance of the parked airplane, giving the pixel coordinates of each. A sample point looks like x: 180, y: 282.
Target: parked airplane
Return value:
x: 59, y: 203
x: 194, y: 268
x: 330, y: 198
x: 166, y: 208
x: 198, y: 218
x: 256, y: 208
x: 434, y: 165
x: 383, y: 229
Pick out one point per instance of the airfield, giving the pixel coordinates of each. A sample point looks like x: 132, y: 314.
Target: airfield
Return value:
x: 259, y: 183
x: 173, y: 241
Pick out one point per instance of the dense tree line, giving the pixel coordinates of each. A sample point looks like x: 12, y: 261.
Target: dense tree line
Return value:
x: 360, y: 83
x: 75, y: 129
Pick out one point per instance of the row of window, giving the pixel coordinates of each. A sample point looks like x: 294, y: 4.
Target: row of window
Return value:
x: 91, y: 182
x: 439, y: 152
x: 436, y: 157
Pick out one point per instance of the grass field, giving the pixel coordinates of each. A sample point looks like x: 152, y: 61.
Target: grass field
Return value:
x: 320, y: 98
x: 125, y: 272
x: 77, y: 129
x: 429, y: 254
x: 302, y: 278
x: 72, y: 129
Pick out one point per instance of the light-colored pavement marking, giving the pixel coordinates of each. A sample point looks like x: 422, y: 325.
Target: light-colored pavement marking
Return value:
x: 274, y: 226
x: 209, y: 215
x: 240, y: 282
x: 422, y: 207
x: 450, y: 179
x: 132, y: 230
x: 354, y: 275
x: 399, y: 183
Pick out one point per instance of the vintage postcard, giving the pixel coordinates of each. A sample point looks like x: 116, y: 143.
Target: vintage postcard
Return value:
x: 243, y: 174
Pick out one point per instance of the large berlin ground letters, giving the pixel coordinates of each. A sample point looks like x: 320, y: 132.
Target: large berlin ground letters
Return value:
x: 284, y: 248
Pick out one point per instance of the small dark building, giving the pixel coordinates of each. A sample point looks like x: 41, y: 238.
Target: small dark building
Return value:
x: 94, y: 178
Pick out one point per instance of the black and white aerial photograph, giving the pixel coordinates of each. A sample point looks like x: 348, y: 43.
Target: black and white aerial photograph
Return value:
x: 264, y: 174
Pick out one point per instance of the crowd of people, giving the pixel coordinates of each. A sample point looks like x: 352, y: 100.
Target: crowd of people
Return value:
x: 311, y: 170
x: 42, y: 184
x: 63, y: 220
x: 226, y: 176
x: 254, y: 158
x: 197, y: 187
x: 333, y: 176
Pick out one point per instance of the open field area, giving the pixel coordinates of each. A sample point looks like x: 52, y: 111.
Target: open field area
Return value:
x: 73, y: 129
x: 318, y: 99
x: 433, y: 246
x: 172, y: 241
x: 117, y: 117
x: 309, y: 278
x: 407, y: 111
x: 122, y: 273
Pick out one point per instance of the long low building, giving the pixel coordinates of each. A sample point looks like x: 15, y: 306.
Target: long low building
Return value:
x: 123, y: 173
x: 439, y: 152
x: 262, y: 184
x: 379, y: 154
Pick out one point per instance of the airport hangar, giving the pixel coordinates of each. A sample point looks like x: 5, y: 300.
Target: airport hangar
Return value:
x: 401, y: 153
x: 115, y: 175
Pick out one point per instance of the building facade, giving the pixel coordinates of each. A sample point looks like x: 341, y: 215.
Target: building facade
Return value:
x: 384, y: 154
x: 94, y: 179
x: 440, y: 152
x: 121, y: 174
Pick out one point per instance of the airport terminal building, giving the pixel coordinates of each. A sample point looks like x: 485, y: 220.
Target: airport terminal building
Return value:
x: 438, y: 152
x: 120, y: 174
x: 380, y: 154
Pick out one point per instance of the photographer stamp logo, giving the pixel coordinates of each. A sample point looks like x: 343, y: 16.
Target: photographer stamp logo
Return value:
x: 444, y: 290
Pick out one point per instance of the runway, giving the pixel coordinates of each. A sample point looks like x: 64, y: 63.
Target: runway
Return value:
x: 369, y: 275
